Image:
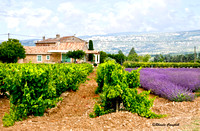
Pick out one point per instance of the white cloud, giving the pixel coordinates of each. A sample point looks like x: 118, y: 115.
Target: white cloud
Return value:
x: 55, y: 19
x: 68, y: 9
x: 187, y: 10
x: 12, y: 22
x: 97, y: 17
x: 38, y: 17
x: 61, y: 26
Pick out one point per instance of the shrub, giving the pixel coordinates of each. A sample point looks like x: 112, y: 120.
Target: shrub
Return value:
x: 119, y: 86
x: 130, y: 64
x: 33, y: 88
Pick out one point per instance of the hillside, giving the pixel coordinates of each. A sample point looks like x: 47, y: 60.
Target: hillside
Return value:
x: 148, y: 43
x: 144, y: 43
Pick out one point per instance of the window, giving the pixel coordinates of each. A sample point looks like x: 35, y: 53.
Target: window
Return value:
x: 39, y: 58
x: 48, y: 57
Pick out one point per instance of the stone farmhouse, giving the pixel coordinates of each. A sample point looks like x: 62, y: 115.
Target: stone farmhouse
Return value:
x: 53, y: 50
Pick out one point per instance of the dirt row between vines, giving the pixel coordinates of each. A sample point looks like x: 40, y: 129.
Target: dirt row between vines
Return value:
x: 73, y: 113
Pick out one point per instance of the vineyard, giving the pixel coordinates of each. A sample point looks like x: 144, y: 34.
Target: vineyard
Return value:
x: 110, y: 95
x: 33, y: 88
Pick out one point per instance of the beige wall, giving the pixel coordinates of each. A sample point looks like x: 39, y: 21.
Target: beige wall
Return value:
x: 55, y: 57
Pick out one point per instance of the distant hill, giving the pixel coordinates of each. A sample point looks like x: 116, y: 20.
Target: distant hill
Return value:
x: 148, y: 43
x: 144, y: 43
x: 29, y: 42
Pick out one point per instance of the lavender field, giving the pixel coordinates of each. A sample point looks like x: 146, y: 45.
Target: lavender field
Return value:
x: 175, y: 84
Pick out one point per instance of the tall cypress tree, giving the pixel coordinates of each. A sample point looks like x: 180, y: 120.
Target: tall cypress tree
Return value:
x: 91, y: 45
x: 132, y: 51
x: 91, y: 48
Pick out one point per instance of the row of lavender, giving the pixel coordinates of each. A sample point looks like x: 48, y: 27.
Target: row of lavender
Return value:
x: 171, y: 83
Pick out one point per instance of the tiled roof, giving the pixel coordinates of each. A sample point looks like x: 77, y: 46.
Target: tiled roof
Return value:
x: 70, y: 46
x: 37, y: 49
x: 45, y: 49
x: 50, y: 40
x: 60, y: 46
x: 54, y: 40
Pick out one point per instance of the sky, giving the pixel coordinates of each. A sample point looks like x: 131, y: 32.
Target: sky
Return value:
x: 39, y: 18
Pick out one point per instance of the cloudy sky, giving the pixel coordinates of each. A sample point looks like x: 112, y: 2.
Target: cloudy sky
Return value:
x: 90, y: 17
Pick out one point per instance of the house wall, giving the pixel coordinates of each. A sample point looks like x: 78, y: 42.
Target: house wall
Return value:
x: 55, y: 57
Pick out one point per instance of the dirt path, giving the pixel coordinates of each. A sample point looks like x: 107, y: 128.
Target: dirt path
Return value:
x: 73, y: 113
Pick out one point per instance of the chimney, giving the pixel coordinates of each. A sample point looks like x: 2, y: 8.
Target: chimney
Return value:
x: 57, y: 36
x: 43, y: 37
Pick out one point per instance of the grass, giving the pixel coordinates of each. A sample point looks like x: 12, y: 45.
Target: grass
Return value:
x: 197, y: 93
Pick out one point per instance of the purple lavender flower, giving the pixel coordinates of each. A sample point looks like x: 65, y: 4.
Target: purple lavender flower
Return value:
x: 175, y: 84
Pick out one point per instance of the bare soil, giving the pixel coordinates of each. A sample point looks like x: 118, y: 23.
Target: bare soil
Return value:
x: 73, y: 113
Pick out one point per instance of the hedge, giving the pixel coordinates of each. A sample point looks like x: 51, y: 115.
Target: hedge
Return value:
x: 131, y: 64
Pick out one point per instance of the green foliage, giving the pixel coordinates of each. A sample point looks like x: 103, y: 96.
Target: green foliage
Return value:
x: 120, y: 52
x: 11, y: 51
x: 146, y: 58
x: 92, y: 115
x: 181, y: 97
x: 33, y: 88
x: 90, y: 57
x: 159, y: 58
x: 175, y: 58
x: 78, y: 54
x: 131, y: 64
x: 132, y: 52
x: 119, y: 86
x: 8, y: 120
x: 95, y: 64
x: 109, y: 59
x: 91, y: 45
x: 119, y: 58
x: 133, y: 57
x: 140, y: 58
x: 103, y: 56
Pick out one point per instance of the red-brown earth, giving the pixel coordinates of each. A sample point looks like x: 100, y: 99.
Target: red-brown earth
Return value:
x: 73, y: 113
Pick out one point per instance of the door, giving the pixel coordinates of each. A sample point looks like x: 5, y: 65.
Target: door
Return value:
x: 65, y: 58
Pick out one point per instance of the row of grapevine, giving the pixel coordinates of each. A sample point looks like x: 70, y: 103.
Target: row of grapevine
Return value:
x: 33, y: 88
x: 131, y: 64
x: 116, y: 87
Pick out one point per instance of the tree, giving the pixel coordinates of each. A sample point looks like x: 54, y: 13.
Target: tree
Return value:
x: 78, y: 54
x: 190, y: 57
x: 120, y: 52
x: 159, y: 58
x: 103, y: 56
x: 168, y: 58
x: 120, y: 57
x: 90, y: 57
x: 91, y: 45
x: 11, y: 51
x: 140, y: 58
x: 146, y: 58
x: 132, y: 51
x: 133, y: 57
